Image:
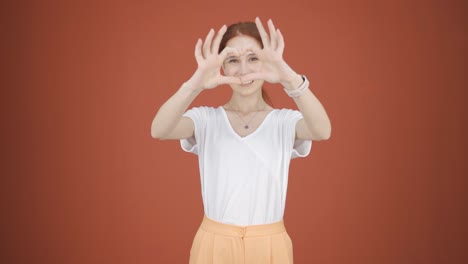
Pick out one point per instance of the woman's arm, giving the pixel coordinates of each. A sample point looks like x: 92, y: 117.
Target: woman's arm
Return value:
x: 169, y: 122
x: 315, y: 125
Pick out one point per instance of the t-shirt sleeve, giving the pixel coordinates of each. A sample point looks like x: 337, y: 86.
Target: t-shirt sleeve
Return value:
x: 198, y: 115
x: 300, y: 147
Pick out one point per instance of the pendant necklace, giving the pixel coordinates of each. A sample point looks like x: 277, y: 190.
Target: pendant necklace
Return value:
x: 246, y: 124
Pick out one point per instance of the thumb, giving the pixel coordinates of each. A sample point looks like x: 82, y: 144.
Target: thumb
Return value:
x: 253, y: 76
x: 229, y: 80
x: 228, y: 51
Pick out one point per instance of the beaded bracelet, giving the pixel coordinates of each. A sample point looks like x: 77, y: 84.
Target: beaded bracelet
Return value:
x: 300, y: 90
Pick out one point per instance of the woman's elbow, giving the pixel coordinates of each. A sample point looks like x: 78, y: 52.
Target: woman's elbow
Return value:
x: 324, y: 135
x: 156, y: 134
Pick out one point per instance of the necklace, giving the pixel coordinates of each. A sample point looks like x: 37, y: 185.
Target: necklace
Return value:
x: 246, y: 124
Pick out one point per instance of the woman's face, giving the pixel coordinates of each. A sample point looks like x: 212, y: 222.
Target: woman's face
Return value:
x: 243, y: 63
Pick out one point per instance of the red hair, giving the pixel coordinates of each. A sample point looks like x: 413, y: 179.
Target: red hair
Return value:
x: 244, y: 29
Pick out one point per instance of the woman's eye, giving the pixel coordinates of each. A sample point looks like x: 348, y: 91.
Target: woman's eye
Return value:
x: 232, y: 60
x: 253, y: 59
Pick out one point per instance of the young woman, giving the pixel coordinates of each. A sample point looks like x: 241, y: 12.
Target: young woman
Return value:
x: 244, y: 146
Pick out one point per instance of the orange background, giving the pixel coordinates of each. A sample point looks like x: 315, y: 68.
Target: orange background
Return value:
x: 84, y: 182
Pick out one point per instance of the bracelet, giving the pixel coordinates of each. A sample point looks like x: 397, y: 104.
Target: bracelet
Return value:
x: 300, y: 90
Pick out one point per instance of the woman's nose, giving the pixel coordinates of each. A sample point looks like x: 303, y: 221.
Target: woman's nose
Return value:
x: 244, y: 67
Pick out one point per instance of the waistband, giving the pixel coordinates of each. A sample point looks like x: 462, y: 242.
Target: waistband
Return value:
x: 216, y: 227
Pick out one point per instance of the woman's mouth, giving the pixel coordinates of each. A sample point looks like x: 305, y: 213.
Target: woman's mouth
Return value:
x: 245, y: 84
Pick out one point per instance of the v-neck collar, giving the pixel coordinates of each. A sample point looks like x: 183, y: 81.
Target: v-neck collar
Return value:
x: 226, y: 118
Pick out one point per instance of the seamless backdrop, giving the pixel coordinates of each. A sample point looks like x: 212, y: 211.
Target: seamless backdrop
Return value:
x: 84, y: 182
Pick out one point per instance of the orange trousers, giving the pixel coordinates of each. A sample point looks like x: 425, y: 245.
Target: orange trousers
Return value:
x: 219, y: 243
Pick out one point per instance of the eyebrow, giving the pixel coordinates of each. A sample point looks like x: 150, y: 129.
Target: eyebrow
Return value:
x: 250, y: 53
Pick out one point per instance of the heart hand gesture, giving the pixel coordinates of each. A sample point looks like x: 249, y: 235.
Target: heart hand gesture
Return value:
x: 208, y: 75
x: 274, y: 69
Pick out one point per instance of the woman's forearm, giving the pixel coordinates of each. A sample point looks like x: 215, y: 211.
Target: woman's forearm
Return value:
x: 172, y: 110
x: 314, y: 114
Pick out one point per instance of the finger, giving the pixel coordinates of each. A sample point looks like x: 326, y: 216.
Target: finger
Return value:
x: 229, y: 80
x: 217, y: 40
x: 251, y: 50
x: 198, y: 52
x: 253, y: 76
x: 228, y: 51
x: 248, y: 48
x: 207, y: 44
x: 263, y: 33
x: 280, y: 47
x: 273, y: 39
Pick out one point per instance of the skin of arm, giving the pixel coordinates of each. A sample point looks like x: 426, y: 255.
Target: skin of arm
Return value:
x: 169, y: 122
x: 170, y: 114
x: 315, y: 125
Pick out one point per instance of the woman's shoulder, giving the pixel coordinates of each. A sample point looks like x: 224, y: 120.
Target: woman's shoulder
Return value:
x: 285, y: 111
x: 206, y: 110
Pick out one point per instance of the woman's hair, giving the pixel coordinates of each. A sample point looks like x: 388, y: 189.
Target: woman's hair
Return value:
x: 244, y: 29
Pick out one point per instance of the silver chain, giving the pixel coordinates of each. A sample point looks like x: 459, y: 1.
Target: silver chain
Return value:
x: 246, y: 124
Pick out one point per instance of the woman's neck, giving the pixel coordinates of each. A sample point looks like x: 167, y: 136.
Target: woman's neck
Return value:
x: 245, y: 104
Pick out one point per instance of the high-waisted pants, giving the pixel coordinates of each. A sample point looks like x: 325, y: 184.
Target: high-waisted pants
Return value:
x: 219, y: 243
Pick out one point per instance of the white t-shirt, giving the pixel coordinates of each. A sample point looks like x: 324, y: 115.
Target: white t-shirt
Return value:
x: 244, y: 180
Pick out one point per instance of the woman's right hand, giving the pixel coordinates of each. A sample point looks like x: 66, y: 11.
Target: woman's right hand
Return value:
x: 208, y: 74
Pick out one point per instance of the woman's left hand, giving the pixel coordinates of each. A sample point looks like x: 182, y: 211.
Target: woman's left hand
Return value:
x: 274, y: 69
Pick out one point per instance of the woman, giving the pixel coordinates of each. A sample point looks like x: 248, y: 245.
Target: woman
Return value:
x: 244, y: 146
